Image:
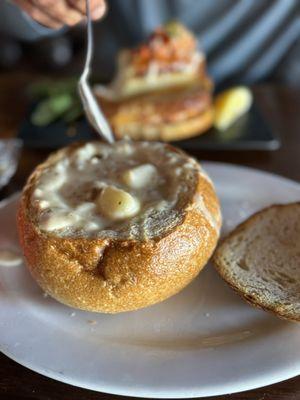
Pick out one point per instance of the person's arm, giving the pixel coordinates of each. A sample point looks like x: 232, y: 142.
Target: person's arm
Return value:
x: 33, y: 19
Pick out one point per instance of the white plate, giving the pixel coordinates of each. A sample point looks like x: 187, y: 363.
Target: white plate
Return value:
x: 204, y: 341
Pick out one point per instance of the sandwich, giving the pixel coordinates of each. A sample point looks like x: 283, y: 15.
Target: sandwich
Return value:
x: 161, y: 90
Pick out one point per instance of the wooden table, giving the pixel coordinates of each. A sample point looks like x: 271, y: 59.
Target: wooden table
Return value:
x: 280, y: 105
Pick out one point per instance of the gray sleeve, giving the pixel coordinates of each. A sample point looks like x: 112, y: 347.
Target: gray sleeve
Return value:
x: 16, y: 23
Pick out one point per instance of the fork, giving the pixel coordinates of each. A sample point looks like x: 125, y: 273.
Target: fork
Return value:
x: 91, y: 106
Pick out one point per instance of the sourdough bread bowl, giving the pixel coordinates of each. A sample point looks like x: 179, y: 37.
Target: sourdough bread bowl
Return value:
x: 112, y: 228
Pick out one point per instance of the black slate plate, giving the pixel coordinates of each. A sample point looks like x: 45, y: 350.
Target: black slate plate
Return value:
x: 250, y: 132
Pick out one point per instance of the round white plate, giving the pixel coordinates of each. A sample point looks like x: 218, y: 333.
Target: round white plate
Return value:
x: 204, y: 341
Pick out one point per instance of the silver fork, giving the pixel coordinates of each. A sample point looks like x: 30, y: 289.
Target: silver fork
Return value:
x: 91, y: 107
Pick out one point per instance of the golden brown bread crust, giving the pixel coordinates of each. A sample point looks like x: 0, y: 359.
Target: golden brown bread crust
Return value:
x: 110, y: 275
x: 252, y: 298
x: 168, y: 115
x: 189, y: 128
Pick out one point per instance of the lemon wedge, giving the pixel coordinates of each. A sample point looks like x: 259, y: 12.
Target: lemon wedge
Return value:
x: 231, y: 105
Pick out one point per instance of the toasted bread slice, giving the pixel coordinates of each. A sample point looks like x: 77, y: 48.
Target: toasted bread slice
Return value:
x: 260, y: 259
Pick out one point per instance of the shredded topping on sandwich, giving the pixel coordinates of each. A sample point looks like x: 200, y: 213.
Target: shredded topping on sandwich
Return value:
x: 170, y: 47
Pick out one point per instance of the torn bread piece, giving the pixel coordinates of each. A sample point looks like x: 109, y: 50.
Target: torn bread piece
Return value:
x: 260, y: 260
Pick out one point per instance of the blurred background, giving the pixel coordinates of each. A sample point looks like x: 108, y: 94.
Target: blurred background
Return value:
x: 246, y: 42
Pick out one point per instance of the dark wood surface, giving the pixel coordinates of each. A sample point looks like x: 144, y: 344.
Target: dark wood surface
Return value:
x: 280, y: 105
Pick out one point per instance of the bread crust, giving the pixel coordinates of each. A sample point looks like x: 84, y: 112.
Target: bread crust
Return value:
x: 189, y: 128
x: 251, y: 298
x: 110, y: 275
x: 168, y: 115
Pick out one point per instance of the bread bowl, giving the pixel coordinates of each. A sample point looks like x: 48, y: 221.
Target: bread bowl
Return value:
x: 161, y: 90
x: 112, y: 228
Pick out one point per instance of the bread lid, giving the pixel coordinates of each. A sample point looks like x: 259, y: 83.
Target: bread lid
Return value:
x: 260, y: 259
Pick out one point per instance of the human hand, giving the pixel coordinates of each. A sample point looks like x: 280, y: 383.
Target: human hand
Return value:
x: 56, y: 13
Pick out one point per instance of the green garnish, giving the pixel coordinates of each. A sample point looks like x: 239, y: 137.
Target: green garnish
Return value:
x: 55, y: 100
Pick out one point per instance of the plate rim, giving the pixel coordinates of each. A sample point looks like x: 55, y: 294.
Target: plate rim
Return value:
x: 162, y: 394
